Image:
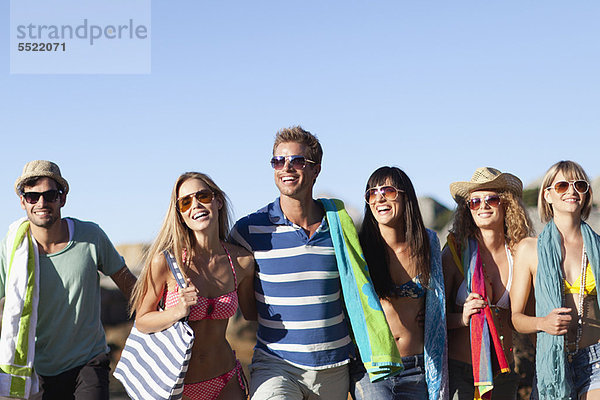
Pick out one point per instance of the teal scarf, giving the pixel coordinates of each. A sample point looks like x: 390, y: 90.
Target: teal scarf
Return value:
x: 553, y: 380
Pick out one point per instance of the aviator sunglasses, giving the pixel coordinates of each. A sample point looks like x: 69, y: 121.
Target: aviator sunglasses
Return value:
x: 388, y: 192
x: 561, y: 187
x: 203, y: 196
x: 296, y: 162
x: 49, y: 195
x: 491, y: 200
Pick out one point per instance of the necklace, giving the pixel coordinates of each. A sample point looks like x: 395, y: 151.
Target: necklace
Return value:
x: 580, y: 311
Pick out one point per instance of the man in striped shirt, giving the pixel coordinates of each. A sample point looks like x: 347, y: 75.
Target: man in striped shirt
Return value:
x: 303, y: 344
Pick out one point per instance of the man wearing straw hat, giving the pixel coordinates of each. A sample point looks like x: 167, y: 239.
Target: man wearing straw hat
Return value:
x: 49, y: 265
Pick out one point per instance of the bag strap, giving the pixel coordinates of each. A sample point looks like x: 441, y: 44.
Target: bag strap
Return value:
x: 172, y: 262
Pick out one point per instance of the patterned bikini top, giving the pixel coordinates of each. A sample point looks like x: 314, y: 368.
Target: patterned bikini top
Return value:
x: 413, y: 289
x: 222, y: 307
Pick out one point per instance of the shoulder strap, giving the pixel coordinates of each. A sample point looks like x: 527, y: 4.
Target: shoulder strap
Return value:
x: 172, y: 262
x: 232, y: 267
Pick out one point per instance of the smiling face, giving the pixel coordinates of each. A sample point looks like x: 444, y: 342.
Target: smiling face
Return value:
x: 295, y: 183
x: 387, y: 212
x: 44, y: 213
x: 200, y: 216
x: 568, y: 202
x: 486, y: 216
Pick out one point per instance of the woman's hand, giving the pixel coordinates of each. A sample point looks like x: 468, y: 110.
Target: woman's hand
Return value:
x: 557, y: 321
x: 188, y: 297
x: 473, y: 305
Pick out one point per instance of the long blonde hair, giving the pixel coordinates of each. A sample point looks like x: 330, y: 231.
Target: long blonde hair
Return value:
x: 517, y: 224
x: 174, y: 235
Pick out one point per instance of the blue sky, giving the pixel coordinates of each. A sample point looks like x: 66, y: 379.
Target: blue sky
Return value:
x: 437, y: 88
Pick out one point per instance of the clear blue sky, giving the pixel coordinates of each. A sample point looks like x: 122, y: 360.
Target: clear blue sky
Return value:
x: 437, y: 88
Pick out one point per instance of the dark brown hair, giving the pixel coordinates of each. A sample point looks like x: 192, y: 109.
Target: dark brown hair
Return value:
x: 415, y: 233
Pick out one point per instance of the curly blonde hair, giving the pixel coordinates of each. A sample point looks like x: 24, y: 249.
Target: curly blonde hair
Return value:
x: 517, y: 224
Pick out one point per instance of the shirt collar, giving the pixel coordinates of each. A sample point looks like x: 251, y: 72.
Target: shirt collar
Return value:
x: 277, y: 217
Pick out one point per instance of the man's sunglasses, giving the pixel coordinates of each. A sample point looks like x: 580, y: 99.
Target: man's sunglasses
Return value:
x: 561, y: 187
x: 388, y: 192
x: 491, y: 200
x: 296, y: 162
x: 49, y: 195
x: 203, y: 196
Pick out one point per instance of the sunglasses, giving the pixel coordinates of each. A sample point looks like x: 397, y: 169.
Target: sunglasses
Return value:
x: 203, y: 196
x: 387, y: 192
x: 296, y: 162
x: 49, y: 195
x: 561, y: 187
x: 491, y: 200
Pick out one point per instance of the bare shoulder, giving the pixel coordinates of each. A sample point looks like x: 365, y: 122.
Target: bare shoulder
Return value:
x: 158, y: 266
x: 526, y: 248
x: 158, y: 261
x: 159, y: 273
x: 526, y: 254
x: 244, y: 258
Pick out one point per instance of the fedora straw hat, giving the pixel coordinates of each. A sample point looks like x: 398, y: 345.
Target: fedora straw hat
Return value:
x: 39, y: 169
x: 486, y: 178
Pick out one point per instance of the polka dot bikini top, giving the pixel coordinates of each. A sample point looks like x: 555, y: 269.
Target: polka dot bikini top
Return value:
x: 222, y: 307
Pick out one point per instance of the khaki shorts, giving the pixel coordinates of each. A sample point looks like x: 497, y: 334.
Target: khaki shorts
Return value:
x: 274, y: 379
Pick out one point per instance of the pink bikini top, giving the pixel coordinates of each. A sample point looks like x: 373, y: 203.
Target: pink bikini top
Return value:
x: 222, y: 307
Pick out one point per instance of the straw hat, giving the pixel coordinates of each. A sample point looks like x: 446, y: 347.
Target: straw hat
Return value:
x: 486, y: 178
x: 41, y: 168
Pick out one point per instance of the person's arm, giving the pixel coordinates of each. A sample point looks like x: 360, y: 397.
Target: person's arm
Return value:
x: 525, y: 267
x: 148, y: 318
x: 124, y: 280
x: 452, y: 280
x: 246, y: 298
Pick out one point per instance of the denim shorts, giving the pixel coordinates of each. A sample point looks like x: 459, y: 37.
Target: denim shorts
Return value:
x: 585, y: 369
x: 409, y: 384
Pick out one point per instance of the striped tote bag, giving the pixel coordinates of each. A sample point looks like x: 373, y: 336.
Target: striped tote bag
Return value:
x: 153, y: 365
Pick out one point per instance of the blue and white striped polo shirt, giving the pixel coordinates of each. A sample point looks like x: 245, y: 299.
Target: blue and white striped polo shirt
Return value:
x: 297, y: 288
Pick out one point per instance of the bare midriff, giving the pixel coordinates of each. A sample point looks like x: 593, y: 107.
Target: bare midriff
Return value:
x: 402, y: 317
x: 212, y: 355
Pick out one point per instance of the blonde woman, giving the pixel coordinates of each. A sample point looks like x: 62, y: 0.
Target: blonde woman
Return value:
x: 478, y: 272
x: 561, y: 266
x: 219, y: 276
